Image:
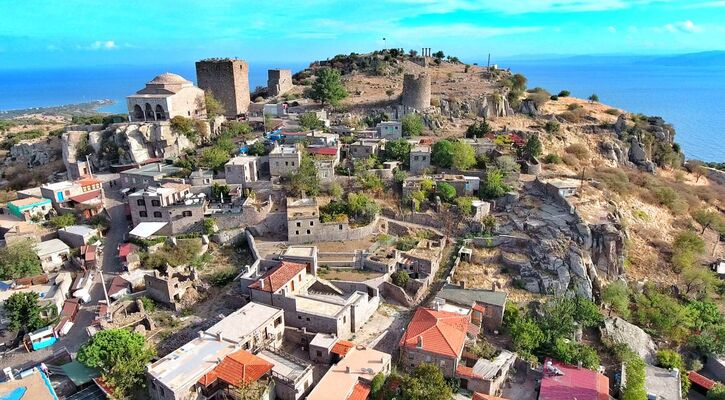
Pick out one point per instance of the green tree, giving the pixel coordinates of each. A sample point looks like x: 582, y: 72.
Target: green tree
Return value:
x: 213, y: 158
x: 400, y: 278
x: 23, y: 311
x: 465, y: 205
x: 412, y: 125
x: 574, y: 353
x: 686, y: 248
x: 305, y: 181
x: 425, y: 383
x: 398, y: 150
x: 63, y: 220
x: 669, y: 359
x: 662, y: 314
x: 328, y: 87
x: 616, y: 296
x: 478, y: 129
x: 464, y: 156
x: 336, y: 191
x: 377, y: 383
x: 309, y: 121
x: 217, y: 191
x: 120, y: 355
x: 552, y: 127
x: 361, y: 207
x: 214, y: 107
x: 704, y: 314
x: 698, y: 281
x: 19, y: 260
x: 717, y: 392
x: 439, y: 54
x: 594, y: 98
x: 446, y: 191
x: 526, y: 335
x: 489, y: 224
x: 533, y: 147
x: 442, y: 153
x: 564, y: 93
x: 238, y: 129
x: 634, y: 388
x: 710, y: 340
x: 494, y: 186
x: 709, y: 219
x: 252, y: 390
x: 507, y: 165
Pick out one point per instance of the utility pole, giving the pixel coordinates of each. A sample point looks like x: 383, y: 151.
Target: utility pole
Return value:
x: 88, y: 164
x: 488, y: 64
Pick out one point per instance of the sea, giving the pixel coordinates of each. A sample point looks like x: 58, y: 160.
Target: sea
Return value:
x: 687, y: 96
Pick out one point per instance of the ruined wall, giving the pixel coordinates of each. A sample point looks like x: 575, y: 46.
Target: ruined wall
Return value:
x: 416, y: 91
x: 228, y: 80
x: 279, y: 81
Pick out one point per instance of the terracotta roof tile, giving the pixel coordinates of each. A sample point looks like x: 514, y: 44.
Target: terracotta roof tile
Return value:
x: 359, y: 392
x: 86, y: 196
x: 342, y: 347
x: 579, y: 383
x: 278, y: 276
x: 441, y: 332
x: 237, y: 368
x: 701, y: 380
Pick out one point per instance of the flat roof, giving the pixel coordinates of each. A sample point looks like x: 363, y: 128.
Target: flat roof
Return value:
x: 50, y: 246
x: 285, y: 366
x: 662, y: 382
x: 239, y: 324
x: 81, y: 230
x: 146, y: 229
x: 29, y: 201
x: 300, y: 251
x: 338, y: 383
x: 325, y: 340
x: 458, y: 295
x: 564, y: 183
x: 242, y: 160
x: 35, y: 386
x: 58, y: 185
x: 152, y: 170
x: 284, y: 150
x: 488, y: 369
x: 318, y: 305
x: 187, y: 364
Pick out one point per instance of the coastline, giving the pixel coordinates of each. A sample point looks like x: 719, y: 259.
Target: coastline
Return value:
x: 65, y: 110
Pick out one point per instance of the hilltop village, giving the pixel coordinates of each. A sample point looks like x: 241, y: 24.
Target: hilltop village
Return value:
x: 391, y: 225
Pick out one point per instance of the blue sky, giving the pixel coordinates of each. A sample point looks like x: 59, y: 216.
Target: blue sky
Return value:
x: 48, y: 34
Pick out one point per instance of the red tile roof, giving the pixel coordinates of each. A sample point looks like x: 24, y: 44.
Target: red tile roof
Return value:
x: 575, y: 383
x: 118, y: 284
x: 700, y: 380
x: 342, y: 347
x: 126, y: 249
x: 237, y: 368
x: 359, y: 392
x: 88, y: 181
x: 86, y: 196
x: 465, y: 372
x: 322, y: 151
x: 278, y: 276
x: 441, y: 332
x: 481, y: 396
x: 70, y: 307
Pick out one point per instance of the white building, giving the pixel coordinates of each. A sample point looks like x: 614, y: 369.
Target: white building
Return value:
x: 164, y: 97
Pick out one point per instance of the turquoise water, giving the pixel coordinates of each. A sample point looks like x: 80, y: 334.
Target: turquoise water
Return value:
x: 689, y: 97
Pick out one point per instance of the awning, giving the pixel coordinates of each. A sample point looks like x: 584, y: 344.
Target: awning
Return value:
x: 146, y: 229
x: 78, y: 373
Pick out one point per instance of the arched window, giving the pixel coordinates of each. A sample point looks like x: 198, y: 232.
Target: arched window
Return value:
x: 160, y: 113
x: 149, y: 112
x: 137, y: 112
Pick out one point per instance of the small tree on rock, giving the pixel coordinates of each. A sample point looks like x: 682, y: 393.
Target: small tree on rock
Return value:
x: 328, y: 87
x: 400, y: 278
x: 214, y: 107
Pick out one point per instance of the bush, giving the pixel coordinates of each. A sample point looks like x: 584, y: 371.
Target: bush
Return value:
x: 63, y: 220
x: 564, y: 93
x: 552, y: 159
x: 406, y: 243
x: 570, y: 160
x: 552, y: 127
x: 634, y: 388
x: 446, y: 192
x: 662, y: 315
x: 400, y: 278
x: 149, y: 305
x: 574, y: 116
x: 222, y: 277
x: 579, y: 150
x: 19, y: 260
x: 412, y: 125
x: 612, y: 111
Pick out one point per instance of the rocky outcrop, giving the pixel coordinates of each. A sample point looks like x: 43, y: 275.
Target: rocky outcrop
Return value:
x: 35, y: 154
x: 638, y: 156
x: 608, y: 249
x: 613, y: 151
x: 621, y: 124
x: 487, y: 106
x: 618, y: 331
x: 529, y: 108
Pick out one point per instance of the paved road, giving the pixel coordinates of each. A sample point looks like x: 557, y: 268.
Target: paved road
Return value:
x: 110, y: 266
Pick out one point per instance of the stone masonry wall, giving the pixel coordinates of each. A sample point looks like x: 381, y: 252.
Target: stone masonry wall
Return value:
x: 228, y: 80
x: 279, y: 81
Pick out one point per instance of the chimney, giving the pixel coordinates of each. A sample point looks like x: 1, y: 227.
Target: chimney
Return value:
x: 261, y: 284
x: 158, y: 167
x: 579, y: 365
x: 9, y: 373
x: 462, y: 284
x: 220, y: 337
x: 201, y: 334
x: 347, y: 369
x: 420, y: 342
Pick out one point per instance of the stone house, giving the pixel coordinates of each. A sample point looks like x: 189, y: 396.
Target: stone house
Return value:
x: 170, y: 287
x: 486, y: 307
x: 170, y: 203
x: 390, y: 130
x: 419, y: 158
x: 30, y: 208
x: 435, y: 337
x: 292, y: 376
x: 304, y: 225
x: 201, y: 177
x: 423, y: 259
x: 77, y: 235
x: 326, y: 159
x: 165, y: 97
x: 182, y: 374
x: 284, y: 160
x: 365, y: 148
x: 84, y: 196
x: 242, y: 170
x: 486, y: 376
x: 53, y: 254
x: 146, y: 175
x: 52, y: 290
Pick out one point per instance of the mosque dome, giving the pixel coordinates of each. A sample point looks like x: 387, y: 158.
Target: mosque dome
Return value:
x: 168, y: 78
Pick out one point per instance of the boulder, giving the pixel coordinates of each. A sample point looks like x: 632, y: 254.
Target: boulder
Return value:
x: 608, y: 250
x: 621, y: 124
x: 617, y: 331
x: 638, y: 156
x: 529, y: 108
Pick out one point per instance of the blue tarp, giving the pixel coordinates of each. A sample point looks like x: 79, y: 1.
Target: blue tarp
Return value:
x: 15, y: 394
x: 44, y: 343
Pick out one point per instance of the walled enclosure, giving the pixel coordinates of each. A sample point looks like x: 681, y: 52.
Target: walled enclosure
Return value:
x: 228, y: 80
x: 416, y: 91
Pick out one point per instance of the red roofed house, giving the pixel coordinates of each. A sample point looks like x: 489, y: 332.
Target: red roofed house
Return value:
x: 566, y: 382
x: 701, y: 383
x: 435, y: 337
x: 236, y: 369
x: 285, y: 279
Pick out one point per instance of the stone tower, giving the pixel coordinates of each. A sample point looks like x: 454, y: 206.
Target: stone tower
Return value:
x: 416, y: 91
x: 228, y: 80
x: 279, y: 81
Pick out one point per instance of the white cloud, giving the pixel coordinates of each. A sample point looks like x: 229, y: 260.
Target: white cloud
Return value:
x: 683, y: 26
x: 523, y: 6
x: 459, y: 30
x: 103, y: 45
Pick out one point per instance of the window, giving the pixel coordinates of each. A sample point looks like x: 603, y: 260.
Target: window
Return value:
x: 186, y: 214
x: 415, y: 158
x: 286, y: 163
x: 344, y: 319
x: 297, y: 232
x: 157, y: 214
x: 155, y: 203
x: 277, y: 321
x: 312, y: 223
x: 319, y: 353
x: 299, y: 317
x: 299, y: 223
x: 340, y: 226
x: 308, y: 231
x: 307, y: 319
x: 293, y: 163
x: 143, y: 214
x: 140, y: 202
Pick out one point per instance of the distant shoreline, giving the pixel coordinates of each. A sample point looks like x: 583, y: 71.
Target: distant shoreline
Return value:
x: 66, y: 110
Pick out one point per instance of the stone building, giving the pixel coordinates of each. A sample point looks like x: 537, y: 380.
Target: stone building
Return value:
x: 416, y: 91
x: 364, y: 148
x: 170, y: 203
x: 485, y: 306
x: 228, y: 80
x: 242, y: 170
x: 486, y: 376
x: 284, y: 160
x: 419, y: 158
x: 434, y: 337
x: 390, y: 130
x: 147, y: 175
x: 170, y: 287
x: 164, y: 97
x: 279, y: 81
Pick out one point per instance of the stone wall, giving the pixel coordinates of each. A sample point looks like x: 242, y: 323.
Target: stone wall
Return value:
x: 228, y: 80
x: 416, y: 91
x: 332, y: 231
x: 279, y: 81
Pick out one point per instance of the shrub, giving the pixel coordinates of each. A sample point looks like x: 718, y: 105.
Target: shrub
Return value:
x: 570, y: 160
x: 63, y: 220
x: 564, y: 93
x: 578, y: 150
x: 400, y: 278
x: 484, y: 349
x: 552, y: 159
x: 634, y: 388
x: 149, y: 305
x: 574, y: 116
x: 554, y: 98
x: 612, y: 111
x: 552, y: 127
x: 222, y: 277
x: 412, y: 125
x: 406, y: 243
x: 446, y: 191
